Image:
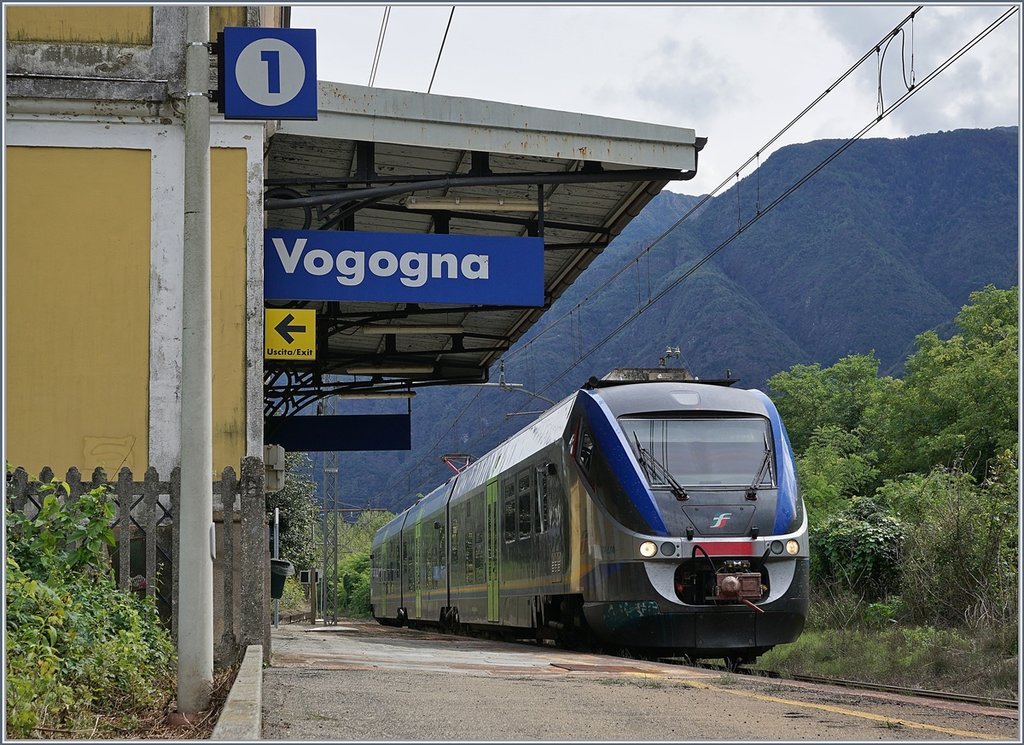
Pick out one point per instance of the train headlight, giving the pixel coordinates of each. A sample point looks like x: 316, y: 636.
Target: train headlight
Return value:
x: 792, y: 547
x: 648, y: 549
x: 776, y: 547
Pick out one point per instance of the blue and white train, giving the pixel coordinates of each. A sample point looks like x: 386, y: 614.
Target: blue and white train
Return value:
x: 662, y: 518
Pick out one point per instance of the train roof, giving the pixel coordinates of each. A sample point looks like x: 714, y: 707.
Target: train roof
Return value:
x: 623, y: 398
x: 543, y: 431
x: 647, y: 398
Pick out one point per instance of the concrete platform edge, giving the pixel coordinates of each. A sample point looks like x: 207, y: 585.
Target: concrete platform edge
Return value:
x: 241, y: 717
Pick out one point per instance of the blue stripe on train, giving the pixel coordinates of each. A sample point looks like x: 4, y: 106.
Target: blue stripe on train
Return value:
x: 621, y: 460
x: 785, y: 504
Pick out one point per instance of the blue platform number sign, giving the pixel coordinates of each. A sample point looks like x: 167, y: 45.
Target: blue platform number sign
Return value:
x: 268, y: 73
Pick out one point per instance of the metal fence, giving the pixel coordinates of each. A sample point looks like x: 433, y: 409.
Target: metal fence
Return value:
x: 145, y: 559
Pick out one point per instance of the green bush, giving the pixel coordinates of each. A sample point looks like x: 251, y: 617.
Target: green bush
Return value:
x: 293, y: 597
x: 354, y: 584
x: 77, y: 648
x: 959, y: 559
x: 858, y: 549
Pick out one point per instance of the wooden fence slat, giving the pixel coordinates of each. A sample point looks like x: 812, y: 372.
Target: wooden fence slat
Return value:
x: 229, y: 485
x: 151, y: 487
x: 246, y: 559
x: 75, y: 487
x: 124, y: 528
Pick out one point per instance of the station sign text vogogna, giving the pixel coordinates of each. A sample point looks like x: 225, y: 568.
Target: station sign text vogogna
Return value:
x: 402, y: 267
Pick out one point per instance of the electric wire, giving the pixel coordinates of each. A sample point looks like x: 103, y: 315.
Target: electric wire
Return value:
x: 439, y: 51
x: 572, y: 312
x: 380, y: 44
x: 806, y: 177
x: 912, y: 89
x: 714, y: 192
x: 428, y: 453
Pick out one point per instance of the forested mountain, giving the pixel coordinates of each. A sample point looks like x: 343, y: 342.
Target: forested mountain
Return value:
x: 885, y: 242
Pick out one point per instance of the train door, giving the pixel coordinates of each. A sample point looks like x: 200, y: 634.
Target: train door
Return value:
x: 491, y: 530
x: 418, y: 569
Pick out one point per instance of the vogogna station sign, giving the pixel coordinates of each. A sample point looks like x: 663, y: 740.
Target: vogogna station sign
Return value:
x: 403, y: 267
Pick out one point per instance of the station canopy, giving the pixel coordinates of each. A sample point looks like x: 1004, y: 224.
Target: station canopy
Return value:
x: 390, y: 161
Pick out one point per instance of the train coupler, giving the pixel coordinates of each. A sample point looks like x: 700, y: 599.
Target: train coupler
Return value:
x: 742, y: 586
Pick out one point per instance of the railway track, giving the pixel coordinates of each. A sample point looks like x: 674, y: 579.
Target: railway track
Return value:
x: 964, y: 698
x: 943, y: 695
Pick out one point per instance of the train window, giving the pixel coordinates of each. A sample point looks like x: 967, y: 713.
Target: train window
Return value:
x: 525, y: 511
x: 478, y: 555
x: 455, y: 540
x: 540, y: 516
x: 509, y: 523
x: 470, y: 567
x: 704, y: 451
x: 586, y: 450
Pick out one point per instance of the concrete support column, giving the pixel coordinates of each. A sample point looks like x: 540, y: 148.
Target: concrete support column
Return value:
x: 195, y: 602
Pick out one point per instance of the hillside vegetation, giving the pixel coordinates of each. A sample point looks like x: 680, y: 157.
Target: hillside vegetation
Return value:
x: 912, y: 492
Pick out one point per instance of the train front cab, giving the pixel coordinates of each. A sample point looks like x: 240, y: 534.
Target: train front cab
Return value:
x: 665, y: 574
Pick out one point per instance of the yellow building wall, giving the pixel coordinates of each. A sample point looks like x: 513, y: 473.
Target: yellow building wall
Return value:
x: 128, y: 25
x: 228, y: 237
x: 110, y: 24
x: 221, y: 16
x: 77, y: 308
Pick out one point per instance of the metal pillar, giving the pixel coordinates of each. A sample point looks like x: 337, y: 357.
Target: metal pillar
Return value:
x: 331, y: 516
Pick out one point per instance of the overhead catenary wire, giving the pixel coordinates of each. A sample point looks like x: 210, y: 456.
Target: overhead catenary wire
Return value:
x: 759, y: 213
x: 714, y: 192
x: 380, y: 44
x: 572, y: 312
x: 439, y: 51
x: 778, y: 200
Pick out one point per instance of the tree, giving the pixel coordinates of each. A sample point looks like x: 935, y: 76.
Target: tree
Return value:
x: 301, y: 536
x: 809, y: 397
x: 959, y: 558
x: 354, y: 542
x: 832, y: 469
x: 958, y: 402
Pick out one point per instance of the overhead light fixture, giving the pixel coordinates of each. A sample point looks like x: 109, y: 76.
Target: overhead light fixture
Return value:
x: 380, y: 329
x: 472, y: 204
x: 388, y: 369
x: 377, y: 394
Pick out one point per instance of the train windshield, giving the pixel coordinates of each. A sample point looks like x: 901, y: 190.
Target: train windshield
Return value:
x: 702, y: 451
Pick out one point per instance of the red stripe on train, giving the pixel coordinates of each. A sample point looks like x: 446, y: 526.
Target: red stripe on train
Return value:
x: 721, y: 548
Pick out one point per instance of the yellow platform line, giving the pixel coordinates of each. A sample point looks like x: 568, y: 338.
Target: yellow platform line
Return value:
x: 835, y: 710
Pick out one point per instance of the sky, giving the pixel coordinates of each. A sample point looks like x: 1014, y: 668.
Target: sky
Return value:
x: 736, y: 74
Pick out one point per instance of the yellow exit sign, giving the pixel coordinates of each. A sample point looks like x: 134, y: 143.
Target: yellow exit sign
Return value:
x: 289, y: 334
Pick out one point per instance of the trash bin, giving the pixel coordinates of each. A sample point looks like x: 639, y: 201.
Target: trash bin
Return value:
x: 279, y: 569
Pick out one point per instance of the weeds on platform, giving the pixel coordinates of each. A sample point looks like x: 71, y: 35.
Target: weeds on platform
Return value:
x: 79, y: 651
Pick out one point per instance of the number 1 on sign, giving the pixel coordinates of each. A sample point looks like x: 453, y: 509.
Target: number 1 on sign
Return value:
x: 272, y: 58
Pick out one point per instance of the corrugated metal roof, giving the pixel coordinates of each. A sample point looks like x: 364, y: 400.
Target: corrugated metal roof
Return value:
x: 372, y: 148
